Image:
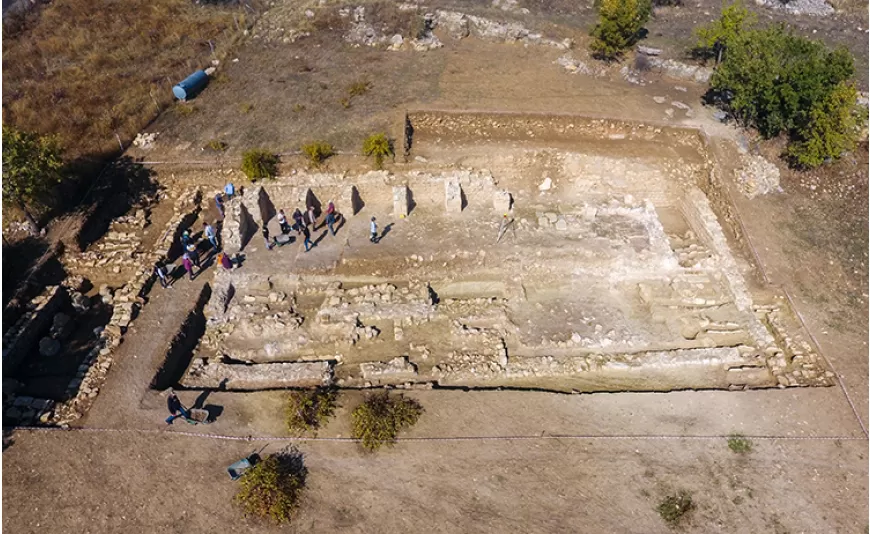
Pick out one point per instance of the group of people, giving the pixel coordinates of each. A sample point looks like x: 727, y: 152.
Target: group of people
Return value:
x: 301, y: 224
x: 190, y: 257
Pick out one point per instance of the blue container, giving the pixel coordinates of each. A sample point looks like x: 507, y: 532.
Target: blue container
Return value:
x: 191, y: 86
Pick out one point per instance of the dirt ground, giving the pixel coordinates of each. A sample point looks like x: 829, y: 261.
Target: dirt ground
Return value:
x: 151, y: 480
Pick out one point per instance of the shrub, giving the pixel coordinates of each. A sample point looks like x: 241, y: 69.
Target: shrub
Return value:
x: 31, y: 168
x: 308, y: 409
x: 216, y: 145
x: 184, y: 109
x: 619, y: 26
x: 779, y: 82
x: 380, y: 417
x: 345, y: 102
x: 246, y: 107
x: 834, y: 125
x: 298, y: 108
x: 259, y: 164
x: 715, y: 37
x: 379, y: 147
x: 273, y: 487
x: 739, y: 443
x: 317, y: 152
x: 674, y: 507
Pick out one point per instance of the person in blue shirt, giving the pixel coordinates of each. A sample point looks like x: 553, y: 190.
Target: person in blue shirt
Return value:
x: 230, y: 190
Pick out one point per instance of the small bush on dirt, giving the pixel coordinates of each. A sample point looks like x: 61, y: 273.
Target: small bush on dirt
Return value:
x: 317, y: 152
x: 308, y: 409
x: 272, y: 488
x: 345, y: 102
x: 380, y: 417
x: 246, y: 107
x: 714, y: 38
x: 674, y: 507
x: 619, y: 26
x: 358, y: 88
x: 184, y: 109
x: 259, y: 164
x: 298, y: 108
x: 379, y: 147
x: 739, y: 443
x: 216, y: 145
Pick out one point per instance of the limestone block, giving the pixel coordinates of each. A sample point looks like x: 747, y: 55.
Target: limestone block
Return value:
x: 400, y: 201
x: 502, y: 201
x: 453, y: 196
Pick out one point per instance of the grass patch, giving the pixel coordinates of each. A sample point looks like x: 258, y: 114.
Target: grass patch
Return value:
x: 246, y: 107
x: 116, y: 64
x: 674, y: 508
x: 739, y: 443
x: 308, y: 409
x: 184, y: 109
x: 358, y: 88
x: 379, y: 147
x: 259, y: 164
x: 380, y: 417
x: 216, y: 145
x: 272, y: 488
x: 298, y: 108
x: 345, y: 103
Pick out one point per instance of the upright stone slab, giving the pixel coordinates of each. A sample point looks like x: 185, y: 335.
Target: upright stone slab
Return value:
x: 351, y: 201
x: 502, y: 201
x: 453, y: 196
x: 400, y: 201
x: 238, y: 226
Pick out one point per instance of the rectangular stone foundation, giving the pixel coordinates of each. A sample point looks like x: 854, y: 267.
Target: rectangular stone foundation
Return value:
x: 203, y: 374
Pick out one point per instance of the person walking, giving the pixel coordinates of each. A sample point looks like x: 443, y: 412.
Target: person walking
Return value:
x: 229, y: 190
x: 312, y: 219
x: 160, y: 271
x: 188, y: 264
x: 374, y: 231
x: 176, y: 409
x: 210, y: 234
x: 307, y: 233
x: 185, y: 239
x: 282, y: 222
x: 266, y: 237
x: 194, y: 255
x: 330, y: 221
x: 219, y: 203
x: 225, y: 261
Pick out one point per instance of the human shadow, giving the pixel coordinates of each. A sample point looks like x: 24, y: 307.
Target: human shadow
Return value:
x: 386, y: 231
x: 320, y: 237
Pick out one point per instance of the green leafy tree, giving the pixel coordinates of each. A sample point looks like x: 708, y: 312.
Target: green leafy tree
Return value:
x: 832, y: 129
x: 714, y: 38
x: 619, y: 26
x: 380, y: 417
x: 259, y: 164
x: 31, y: 169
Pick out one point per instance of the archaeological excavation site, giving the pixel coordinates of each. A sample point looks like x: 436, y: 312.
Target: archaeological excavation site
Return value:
x: 539, y: 252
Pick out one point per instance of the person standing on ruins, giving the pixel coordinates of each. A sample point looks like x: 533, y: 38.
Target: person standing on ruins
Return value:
x: 188, y: 264
x: 176, y: 409
x: 225, y: 261
x: 374, y: 231
x: 160, y: 271
x: 229, y: 190
x: 307, y: 233
x: 330, y: 218
x: 298, y: 221
x: 312, y: 219
x: 266, y: 237
x: 282, y: 222
x: 185, y: 239
x: 210, y: 234
x: 218, y: 201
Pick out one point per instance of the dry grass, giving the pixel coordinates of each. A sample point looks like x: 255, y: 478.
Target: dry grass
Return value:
x: 85, y: 73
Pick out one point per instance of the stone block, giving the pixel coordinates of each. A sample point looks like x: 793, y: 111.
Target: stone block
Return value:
x: 453, y: 196
x: 401, y: 202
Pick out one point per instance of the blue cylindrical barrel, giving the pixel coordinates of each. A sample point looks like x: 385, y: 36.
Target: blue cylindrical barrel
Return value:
x: 190, y: 86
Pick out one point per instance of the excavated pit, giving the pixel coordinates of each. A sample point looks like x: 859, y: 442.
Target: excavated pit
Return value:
x: 542, y: 252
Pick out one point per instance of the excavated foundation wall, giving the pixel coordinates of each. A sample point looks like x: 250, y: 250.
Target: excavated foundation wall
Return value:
x: 180, y: 350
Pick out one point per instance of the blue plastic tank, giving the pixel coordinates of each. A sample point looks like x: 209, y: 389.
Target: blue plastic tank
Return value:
x: 191, y: 86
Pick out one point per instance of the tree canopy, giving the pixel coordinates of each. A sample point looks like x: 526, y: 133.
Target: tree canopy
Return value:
x: 31, y: 169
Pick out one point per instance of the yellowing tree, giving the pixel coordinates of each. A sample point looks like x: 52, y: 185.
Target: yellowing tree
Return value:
x: 619, y: 26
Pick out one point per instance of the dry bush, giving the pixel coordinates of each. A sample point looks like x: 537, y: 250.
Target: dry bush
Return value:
x: 380, y: 417
x: 273, y: 488
x: 307, y: 410
x: 85, y: 72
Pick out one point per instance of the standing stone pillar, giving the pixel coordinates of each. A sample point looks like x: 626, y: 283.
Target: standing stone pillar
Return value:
x: 453, y: 196
x: 400, y: 201
x: 502, y: 201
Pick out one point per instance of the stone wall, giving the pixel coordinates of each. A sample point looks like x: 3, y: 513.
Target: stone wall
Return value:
x: 21, y: 339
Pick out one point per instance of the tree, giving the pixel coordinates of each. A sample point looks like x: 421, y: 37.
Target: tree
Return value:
x: 714, y: 38
x: 619, y: 26
x: 31, y: 168
x: 832, y: 128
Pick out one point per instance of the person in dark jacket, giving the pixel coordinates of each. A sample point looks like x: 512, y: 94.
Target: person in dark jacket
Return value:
x: 176, y: 410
